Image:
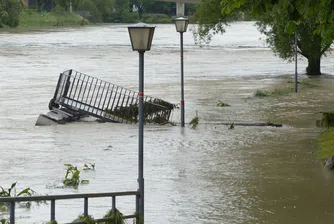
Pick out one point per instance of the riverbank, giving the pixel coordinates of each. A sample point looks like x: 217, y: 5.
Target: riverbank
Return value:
x: 326, y: 142
x: 33, y: 19
x: 302, y: 109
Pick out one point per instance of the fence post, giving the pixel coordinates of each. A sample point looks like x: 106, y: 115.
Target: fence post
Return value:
x: 86, y: 207
x: 114, y: 204
x: 53, y: 209
x: 137, y: 208
x: 12, y: 212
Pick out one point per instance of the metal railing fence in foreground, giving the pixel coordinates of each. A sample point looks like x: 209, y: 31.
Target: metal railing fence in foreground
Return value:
x: 54, y: 198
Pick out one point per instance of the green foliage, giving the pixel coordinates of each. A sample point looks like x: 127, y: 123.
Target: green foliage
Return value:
x: 45, y: 5
x: 276, y: 92
x: 87, y: 220
x: 121, y: 13
x: 261, y: 93
x: 155, y: 111
x: 65, y: 4
x: 89, y: 166
x: 109, y: 147
x: 10, y: 13
x: 52, y: 222
x: 88, y: 5
x: 72, y: 176
x: 194, y: 122
x: 139, y: 219
x: 104, y: 7
x: 327, y: 119
x: 116, y: 218
x: 211, y: 20
x: 231, y: 126
x: 4, y: 221
x: 30, y: 18
x: 156, y: 18
x: 11, y: 192
x: 326, y: 142
x: 8, y: 193
x: 278, y: 20
x: 142, y: 5
x: 222, y: 104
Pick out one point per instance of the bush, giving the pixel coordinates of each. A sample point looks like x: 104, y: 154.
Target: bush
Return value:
x: 124, y: 17
x: 10, y: 13
x: 156, y: 18
x: 88, y: 5
x: 326, y: 142
x: 260, y: 93
x: 30, y: 18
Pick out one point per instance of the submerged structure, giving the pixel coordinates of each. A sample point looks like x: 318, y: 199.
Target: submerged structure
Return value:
x: 79, y: 95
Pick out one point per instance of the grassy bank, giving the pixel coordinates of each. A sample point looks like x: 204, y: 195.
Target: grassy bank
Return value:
x: 30, y: 19
x: 326, y: 142
x: 308, y: 90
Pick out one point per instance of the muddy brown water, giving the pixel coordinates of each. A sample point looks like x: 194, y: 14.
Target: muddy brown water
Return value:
x: 208, y: 175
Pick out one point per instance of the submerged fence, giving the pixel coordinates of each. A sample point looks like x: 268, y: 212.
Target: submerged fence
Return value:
x: 53, y: 198
x: 107, y: 101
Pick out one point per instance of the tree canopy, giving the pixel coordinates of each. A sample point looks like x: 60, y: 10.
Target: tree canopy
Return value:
x: 10, y: 13
x: 278, y: 20
x: 142, y: 5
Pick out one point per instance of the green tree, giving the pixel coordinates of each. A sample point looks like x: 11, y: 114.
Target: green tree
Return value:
x: 66, y: 4
x: 46, y: 5
x: 121, y: 12
x: 167, y: 8
x: 10, y: 13
x: 141, y: 5
x: 105, y: 8
x: 278, y: 20
x: 89, y: 5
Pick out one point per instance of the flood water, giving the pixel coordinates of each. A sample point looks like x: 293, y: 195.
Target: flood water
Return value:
x: 208, y: 175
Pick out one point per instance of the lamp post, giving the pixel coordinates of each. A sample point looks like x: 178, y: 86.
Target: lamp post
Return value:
x: 296, y: 62
x: 141, y: 36
x: 181, y: 24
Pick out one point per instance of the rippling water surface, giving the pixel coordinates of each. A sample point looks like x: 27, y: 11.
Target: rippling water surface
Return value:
x: 208, y: 175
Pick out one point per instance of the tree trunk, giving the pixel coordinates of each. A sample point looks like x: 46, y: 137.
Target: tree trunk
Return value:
x: 313, y: 67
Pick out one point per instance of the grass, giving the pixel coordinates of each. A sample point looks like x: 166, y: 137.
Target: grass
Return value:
x: 86, y: 220
x: 261, y: 93
x: 30, y: 19
x: 284, y: 88
x: 326, y: 142
x: 116, y: 217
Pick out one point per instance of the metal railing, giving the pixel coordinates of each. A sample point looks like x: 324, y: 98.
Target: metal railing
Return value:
x: 53, y: 198
x: 105, y: 100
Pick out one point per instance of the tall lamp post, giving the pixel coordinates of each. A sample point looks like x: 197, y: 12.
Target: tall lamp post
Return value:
x: 181, y: 25
x: 141, y: 36
x: 296, y: 62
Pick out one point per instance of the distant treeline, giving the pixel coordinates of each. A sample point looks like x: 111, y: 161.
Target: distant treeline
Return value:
x: 96, y: 11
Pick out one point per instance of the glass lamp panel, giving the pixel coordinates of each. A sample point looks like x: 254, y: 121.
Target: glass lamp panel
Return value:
x: 139, y: 38
x: 181, y: 24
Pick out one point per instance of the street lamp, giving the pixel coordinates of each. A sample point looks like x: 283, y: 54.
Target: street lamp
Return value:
x: 296, y: 61
x: 141, y: 36
x: 181, y: 24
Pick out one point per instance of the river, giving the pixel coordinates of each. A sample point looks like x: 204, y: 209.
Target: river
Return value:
x: 253, y: 175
